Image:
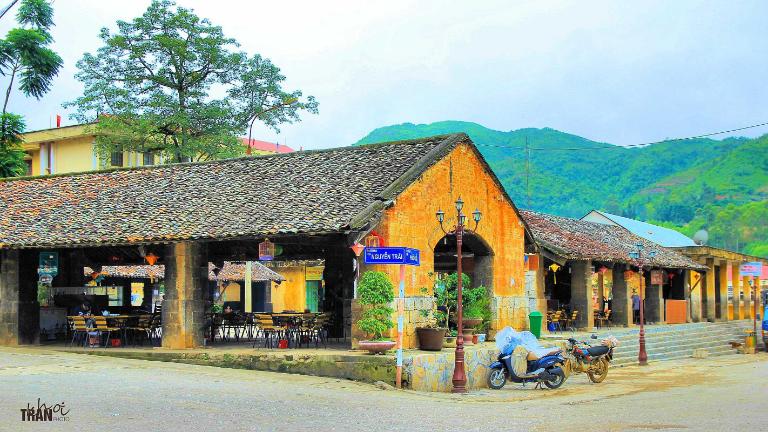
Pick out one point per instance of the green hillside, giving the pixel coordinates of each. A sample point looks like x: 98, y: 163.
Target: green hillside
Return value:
x: 688, y: 185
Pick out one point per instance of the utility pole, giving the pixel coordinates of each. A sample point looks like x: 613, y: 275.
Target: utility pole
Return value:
x: 528, y: 172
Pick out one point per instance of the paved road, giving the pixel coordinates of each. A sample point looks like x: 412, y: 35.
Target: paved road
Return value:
x: 108, y: 394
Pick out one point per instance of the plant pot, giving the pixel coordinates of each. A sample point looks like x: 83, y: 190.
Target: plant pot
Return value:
x: 481, y: 337
x: 467, y: 334
x: 430, y: 339
x: 376, y: 347
x: 472, y: 322
x: 449, y: 342
x: 474, y: 339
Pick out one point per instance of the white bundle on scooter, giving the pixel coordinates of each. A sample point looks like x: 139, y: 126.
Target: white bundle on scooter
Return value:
x: 508, y: 339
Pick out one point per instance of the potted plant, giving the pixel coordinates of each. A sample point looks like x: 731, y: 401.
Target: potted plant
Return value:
x: 450, y: 339
x: 430, y: 334
x: 376, y: 293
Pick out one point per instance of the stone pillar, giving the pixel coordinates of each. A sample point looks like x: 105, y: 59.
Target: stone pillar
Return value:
x: 722, y: 275
x: 747, y: 297
x: 711, y: 311
x: 738, y: 311
x: 186, y: 281
x: 621, y: 314
x: 654, y: 301
x: 19, y: 309
x: 581, y: 293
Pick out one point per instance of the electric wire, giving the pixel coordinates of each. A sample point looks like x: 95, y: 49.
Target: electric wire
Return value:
x: 628, y: 146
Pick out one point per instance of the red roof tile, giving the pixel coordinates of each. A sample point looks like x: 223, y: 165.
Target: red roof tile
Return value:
x: 267, y: 146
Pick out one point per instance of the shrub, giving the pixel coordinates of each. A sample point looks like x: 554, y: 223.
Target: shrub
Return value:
x: 376, y: 293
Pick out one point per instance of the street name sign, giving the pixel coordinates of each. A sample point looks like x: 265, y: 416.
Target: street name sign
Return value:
x: 392, y: 255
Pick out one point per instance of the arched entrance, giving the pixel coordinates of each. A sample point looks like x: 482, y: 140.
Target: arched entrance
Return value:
x: 477, y: 258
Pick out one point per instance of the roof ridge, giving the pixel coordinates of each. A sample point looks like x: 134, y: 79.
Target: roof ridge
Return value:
x: 238, y: 159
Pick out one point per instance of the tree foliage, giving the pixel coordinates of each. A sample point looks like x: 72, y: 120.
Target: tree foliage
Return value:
x: 27, y: 62
x: 173, y: 83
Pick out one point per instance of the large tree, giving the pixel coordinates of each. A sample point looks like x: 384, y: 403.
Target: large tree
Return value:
x: 26, y: 61
x: 171, y: 83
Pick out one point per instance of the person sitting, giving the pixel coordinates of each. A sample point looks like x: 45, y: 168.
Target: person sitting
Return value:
x: 84, y: 309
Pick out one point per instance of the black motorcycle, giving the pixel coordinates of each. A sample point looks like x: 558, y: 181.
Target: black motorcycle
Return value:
x: 547, y: 370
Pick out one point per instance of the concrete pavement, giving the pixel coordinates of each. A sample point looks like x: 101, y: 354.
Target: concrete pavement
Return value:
x: 113, y: 394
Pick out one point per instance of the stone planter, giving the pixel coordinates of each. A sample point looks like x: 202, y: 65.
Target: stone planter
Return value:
x: 471, y: 323
x: 376, y: 347
x: 467, y: 334
x: 430, y: 339
x: 449, y: 342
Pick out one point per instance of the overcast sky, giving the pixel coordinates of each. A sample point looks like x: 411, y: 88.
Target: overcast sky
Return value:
x: 613, y: 71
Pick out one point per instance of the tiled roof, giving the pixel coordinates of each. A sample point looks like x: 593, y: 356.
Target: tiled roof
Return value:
x: 312, y: 192
x: 575, y: 239
x: 267, y: 146
x: 236, y: 272
x: 229, y: 272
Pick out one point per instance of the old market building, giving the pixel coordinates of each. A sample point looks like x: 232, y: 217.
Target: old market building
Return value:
x: 722, y: 292
x: 585, y: 266
x: 315, y: 205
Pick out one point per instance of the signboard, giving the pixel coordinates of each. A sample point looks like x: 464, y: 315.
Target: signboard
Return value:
x: 313, y: 273
x: 751, y: 269
x: 392, y: 255
x: 656, y: 278
x: 48, y: 264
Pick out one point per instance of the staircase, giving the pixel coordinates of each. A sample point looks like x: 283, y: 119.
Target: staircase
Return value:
x: 671, y: 342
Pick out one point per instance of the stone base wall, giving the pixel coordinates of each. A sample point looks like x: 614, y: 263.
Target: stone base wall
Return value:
x: 510, y: 311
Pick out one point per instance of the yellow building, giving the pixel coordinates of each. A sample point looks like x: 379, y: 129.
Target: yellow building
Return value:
x: 70, y: 149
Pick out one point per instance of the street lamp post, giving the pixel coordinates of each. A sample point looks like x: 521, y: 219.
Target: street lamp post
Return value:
x: 640, y: 262
x: 459, y: 374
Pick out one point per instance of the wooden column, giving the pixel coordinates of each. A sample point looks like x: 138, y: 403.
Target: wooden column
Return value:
x: 186, y: 279
x: 581, y: 293
x: 600, y: 291
x: 621, y: 314
x: 722, y: 275
x: 738, y: 311
x: 687, y: 294
x: 19, y: 309
x: 711, y: 309
x: 748, y: 312
x: 696, y: 280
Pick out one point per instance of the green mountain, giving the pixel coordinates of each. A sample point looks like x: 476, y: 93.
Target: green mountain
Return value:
x: 719, y: 185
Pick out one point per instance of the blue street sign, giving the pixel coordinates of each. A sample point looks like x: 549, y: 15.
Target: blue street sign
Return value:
x: 392, y: 255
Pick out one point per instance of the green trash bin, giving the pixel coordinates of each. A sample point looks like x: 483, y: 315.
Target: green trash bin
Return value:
x: 535, y: 320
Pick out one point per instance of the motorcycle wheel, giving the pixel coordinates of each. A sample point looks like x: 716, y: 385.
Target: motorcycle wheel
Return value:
x: 557, y: 382
x: 497, y: 379
x: 599, y: 371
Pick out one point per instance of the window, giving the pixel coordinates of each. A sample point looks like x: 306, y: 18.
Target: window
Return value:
x: 149, y: 158
x: 117, y: 159
x: 29, y: 167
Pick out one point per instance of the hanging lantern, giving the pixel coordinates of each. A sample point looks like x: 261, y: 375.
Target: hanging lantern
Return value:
x: 357, y: 248
x: 671, y: 276
x: 602, y: 269
x: 628, y: 275
x: 151, y: 258
x: 266, y: 250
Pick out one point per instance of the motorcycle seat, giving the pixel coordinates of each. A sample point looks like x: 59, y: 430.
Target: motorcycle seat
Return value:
x: 598, y: 350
